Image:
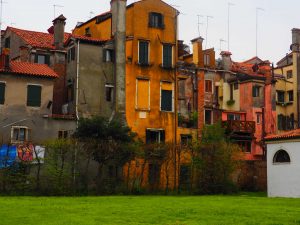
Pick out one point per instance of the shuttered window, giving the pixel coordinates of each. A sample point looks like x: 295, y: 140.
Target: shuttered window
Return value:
x: 143, y: 52
x: 208, y: 86
x: 2, y: 93
x: 166, y: 97
x: 143, y: 94
x: 255, y: 91
x: 167, y: 56
x: 34, y: 95
x: 156, y: 20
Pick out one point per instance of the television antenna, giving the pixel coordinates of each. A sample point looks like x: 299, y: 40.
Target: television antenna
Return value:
x: 199, y: 16
x: 1, y: 12
x: 221, y: 41
x: 54, y: 9
x: 228, y: 25
x: 207, y: 19
x: 256, y: 33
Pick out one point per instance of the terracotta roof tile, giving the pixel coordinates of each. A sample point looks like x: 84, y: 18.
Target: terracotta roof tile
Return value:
x: 31, y: 69
x: 286, y: 135
x: 89, y: 39
x: 37, y: 39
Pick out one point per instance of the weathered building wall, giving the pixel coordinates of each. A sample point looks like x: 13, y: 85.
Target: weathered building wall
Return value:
x: 15, y: 111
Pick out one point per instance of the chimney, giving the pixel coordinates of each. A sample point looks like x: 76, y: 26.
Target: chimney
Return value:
x: 198, y: 52
x: 118, y: 9
x: 226, y: 60
x: 59, y: 31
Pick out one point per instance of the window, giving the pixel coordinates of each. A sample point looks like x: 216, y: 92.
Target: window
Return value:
x: 289, y: 74
x: 208, y: 86
x: 63, y: 134
x: 291, y: 96
x: 155, y: 136
x: 185, y: 139
x: 280, y: 96
x: 70, y: 92
x: 208, y: 117
x: 143, y: 94
x: 7, y: 43
x: 185, y: 176
x: 245, y: 145
x: 232, y: 116
x: 154, y: 173
x: 71, y: 54
x: 143, y: 52
x: 281, y: 156
x: 34, y: 95
x: 206, y: 59
x: 88, y: 32
x: 109, y: 92
x: 42, y: 59
x: 2, y: 93
x: 156, y: 20
x: 166, y: 101
x: 231, y: 91
x: 20, y: 134
x: 167, y: 56
x: 258, y: 118
x: 255, y: 91
x: 108, y: 55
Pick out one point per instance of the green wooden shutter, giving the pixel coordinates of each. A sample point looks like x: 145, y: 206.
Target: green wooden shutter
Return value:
x: 148, y: 137
x: 167, y: 56
x: 143, y: 52
x: 166, y: 100
x: 73, y: 53
x: 34, y: 95
x: 2, y: 93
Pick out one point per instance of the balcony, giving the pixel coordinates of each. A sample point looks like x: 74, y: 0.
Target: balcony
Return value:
x: 237, y: 126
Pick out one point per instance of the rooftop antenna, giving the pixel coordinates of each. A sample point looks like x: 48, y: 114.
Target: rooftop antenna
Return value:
x: 199, y: 16
x: 1, y: 10
x: 221, y: 41
x: 228, y: 24
x: 91, y: 14
x: 207, y: 18
x: 256, y: 33
x: 54, y: 9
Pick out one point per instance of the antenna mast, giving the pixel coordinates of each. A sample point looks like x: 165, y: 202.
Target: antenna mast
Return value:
x: 207, y: 18
x: 54, y: 9
x: 199, y: 33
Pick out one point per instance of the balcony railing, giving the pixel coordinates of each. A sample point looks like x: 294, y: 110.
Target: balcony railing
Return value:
x: 239, y: 126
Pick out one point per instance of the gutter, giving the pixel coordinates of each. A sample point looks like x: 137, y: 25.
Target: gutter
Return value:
x: 77, y: 82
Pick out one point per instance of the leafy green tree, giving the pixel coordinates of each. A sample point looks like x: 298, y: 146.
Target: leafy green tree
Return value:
x: 215, y: 159
x: 110, y: 143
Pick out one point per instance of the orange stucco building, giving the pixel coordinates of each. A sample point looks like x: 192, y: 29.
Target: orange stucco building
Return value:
x: 150, y: 87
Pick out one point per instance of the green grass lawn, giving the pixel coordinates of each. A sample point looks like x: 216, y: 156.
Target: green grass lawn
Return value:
x: 243, y: 209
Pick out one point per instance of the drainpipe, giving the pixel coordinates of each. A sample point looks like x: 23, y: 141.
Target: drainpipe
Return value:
x: 77, y: 83
x: 175, y: 102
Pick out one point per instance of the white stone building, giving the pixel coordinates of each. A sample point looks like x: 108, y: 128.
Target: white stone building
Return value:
x: 283, y: 164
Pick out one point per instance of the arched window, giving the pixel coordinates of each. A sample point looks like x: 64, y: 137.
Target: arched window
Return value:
x: 281, y: 156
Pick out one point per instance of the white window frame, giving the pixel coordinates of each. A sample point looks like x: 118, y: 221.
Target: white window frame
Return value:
x: 26, y: 138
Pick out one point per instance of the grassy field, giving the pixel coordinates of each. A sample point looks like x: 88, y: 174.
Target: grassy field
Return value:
x: 243, y: 209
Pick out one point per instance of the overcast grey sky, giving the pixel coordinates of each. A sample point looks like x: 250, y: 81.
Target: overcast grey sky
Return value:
x: 274, y: 23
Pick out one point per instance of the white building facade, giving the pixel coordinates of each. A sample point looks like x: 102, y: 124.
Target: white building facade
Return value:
x: 283, y: 165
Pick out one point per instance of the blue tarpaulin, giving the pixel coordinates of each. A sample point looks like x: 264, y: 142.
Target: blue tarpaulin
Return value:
x: 8, y: 155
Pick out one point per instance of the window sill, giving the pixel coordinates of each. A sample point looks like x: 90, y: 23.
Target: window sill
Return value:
x: 167, y: 111
x: 142, y: 110
x: 144, y: 64
x: 166, y: 67
x: 162, y: 27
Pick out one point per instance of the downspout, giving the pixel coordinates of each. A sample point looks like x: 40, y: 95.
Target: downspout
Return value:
x: 175, y: 103
x: 77, y: 83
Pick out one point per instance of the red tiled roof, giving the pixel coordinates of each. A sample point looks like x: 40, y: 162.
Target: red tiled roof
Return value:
x: 37, y: 39
x: 248, y: 68
x: 287, y: 135
x: 89, y: 39
x: 31, y: 69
